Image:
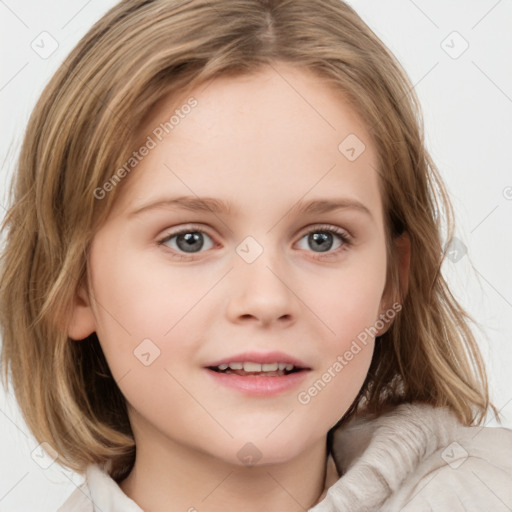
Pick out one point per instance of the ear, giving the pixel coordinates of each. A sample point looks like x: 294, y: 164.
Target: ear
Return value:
x: 82, y: 322
x: 391, y: 294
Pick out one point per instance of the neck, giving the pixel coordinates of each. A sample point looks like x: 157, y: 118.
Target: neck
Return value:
x: 171, y: 477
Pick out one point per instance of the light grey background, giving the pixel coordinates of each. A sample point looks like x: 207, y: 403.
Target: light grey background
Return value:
x: 467, y: 104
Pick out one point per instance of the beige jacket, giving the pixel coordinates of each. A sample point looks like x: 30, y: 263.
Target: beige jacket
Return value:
x: 415, y: 458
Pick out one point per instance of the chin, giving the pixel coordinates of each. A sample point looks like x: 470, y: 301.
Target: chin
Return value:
x: 250, y: 451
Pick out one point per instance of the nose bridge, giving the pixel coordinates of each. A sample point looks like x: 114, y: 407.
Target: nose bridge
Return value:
x: 258, y: 263
x: 260, y: 286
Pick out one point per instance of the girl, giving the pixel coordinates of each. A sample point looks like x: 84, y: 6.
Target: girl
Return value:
x: 256, y: 371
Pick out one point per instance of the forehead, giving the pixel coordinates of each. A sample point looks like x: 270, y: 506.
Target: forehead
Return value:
x: 279, y: 133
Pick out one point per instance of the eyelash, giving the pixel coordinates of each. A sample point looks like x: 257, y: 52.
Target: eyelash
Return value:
x: 345, y: 238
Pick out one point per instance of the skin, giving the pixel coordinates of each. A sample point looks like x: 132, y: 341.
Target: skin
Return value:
x: 262, y: 146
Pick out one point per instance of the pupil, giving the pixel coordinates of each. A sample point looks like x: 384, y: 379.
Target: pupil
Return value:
x: 192, y: 241
x: 322, y: 239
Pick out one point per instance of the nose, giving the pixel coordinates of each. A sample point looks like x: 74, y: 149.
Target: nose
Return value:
x: 262, y: 292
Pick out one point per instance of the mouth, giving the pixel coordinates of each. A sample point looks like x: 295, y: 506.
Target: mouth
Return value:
x: 258, y: 374
x: 251, y: 368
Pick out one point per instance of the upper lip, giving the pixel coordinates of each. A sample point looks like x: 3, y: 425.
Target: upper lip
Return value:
x: 260, y: 357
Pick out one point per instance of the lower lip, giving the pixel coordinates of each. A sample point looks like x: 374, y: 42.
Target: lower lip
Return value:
x: 259, y: 386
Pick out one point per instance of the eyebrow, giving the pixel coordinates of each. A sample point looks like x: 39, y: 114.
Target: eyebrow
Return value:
x: 218, y: 206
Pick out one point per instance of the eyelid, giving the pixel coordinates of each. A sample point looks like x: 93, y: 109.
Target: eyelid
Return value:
x: 188, y: 228
x: 327, y: 227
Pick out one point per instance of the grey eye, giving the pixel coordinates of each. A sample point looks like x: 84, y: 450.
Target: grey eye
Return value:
x: 187, y: 241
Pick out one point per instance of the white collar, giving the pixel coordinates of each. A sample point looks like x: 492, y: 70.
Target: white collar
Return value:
x: 375, y: 455
x: 106, y: 495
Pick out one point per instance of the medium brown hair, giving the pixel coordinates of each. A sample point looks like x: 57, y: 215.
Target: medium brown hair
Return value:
x: 83, y: 128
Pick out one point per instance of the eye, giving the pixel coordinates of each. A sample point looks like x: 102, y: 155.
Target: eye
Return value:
x: 321, y: 237
x: 189, y: 240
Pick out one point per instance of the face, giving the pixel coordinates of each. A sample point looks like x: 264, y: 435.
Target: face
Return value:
x: 177, y: 289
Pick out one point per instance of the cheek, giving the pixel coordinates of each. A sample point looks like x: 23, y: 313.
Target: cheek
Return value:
x: 137, y: 298
x: 349, y: 300
x: 348, y: 305
x: 148, y: 320
x: 350, y: 312
x: 144, y: 327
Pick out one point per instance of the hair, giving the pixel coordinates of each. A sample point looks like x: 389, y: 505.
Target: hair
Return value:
x: 84, y: 126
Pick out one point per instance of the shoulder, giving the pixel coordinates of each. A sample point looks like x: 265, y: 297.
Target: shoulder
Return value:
x: 470, y: 471
x: 416, y: 458
x: 78, y: 501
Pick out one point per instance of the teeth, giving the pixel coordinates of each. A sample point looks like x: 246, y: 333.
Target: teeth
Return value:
x: 252, y: 367
x: 256, y: 367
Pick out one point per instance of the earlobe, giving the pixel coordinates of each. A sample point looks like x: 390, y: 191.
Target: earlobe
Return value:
x: 82, y: 322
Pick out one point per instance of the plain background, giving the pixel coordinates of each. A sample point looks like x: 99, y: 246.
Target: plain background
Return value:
x: 458, y: 56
